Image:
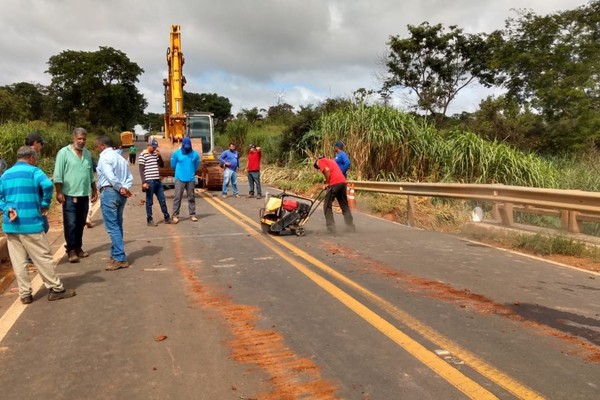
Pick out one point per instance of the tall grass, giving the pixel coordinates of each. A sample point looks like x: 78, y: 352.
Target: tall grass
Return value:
x: 385, y: 142
x: 12, y: 136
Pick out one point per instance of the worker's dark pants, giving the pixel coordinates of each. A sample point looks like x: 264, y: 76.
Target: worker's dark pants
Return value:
x: 254, y: 178
x: 155, y: 188
x: 131, y: 158
x: 75, y: 211
x: 337, y: 192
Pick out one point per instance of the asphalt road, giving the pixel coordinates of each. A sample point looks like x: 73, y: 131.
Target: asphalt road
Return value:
x: 218, y: 310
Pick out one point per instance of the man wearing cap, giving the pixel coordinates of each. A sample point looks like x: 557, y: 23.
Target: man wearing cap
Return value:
x: 149, y: 163
x: 253, y: 170
x: 185, y: 162
x: 75, y: 187
x: 336, y: 189
x: 22, y: 209
x: 341, y: 158
x: 230, y: 160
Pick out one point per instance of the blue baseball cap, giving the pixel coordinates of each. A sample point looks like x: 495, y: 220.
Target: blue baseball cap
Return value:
x: 339, y: 144
x: 153, y: 143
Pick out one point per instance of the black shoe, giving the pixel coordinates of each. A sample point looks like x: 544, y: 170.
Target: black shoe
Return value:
x: 73, y: 257
x: 351, y: 228
x: 64, y: 294
x: 27, y: 299
x: 331, y: 229
x: 152, y: 223
x: 82, y: 254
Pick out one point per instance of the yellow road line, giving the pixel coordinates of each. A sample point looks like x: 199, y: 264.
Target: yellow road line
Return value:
x: 482, y: 367
x: 456, y: 378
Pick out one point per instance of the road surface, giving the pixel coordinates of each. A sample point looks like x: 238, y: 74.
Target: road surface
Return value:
x: 218, y: 310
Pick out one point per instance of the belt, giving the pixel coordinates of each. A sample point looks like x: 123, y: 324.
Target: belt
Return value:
x: 105, y: 187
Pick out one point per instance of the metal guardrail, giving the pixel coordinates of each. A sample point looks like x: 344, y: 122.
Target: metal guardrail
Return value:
x: 572, y: 204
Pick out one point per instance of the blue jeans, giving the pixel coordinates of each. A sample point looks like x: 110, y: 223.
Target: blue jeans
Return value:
x: 229, y: 175
x: 75, y: 211
x: 112, y: 205
x: 155, y: 187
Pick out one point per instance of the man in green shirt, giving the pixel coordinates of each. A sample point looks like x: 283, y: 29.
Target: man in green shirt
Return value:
x: 132, y: 151
x: 75, y: 184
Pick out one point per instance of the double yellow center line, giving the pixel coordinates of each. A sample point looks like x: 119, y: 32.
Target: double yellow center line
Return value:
x: 453, y: 376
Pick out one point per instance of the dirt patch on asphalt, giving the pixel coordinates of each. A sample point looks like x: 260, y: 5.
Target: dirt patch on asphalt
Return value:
x: 291, y: 376
x: 464, y: 298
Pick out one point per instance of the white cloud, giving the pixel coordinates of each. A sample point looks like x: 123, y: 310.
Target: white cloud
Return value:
x: 245, y: 50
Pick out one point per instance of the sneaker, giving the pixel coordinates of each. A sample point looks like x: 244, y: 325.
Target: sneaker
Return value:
x: 27, y: 299
x: 331, y: 229
x: 193, y: 218
x: 251, y: 196
x: 259, y: 196
x: 82, y: 254
x: 168, y: 221
x: 152, y: 223
x: 64, y: 294
x: 351, y: 228
x: 114, y: 265
x: 224, y: 196
x: 73, y: 257
x: 237, y: 196
x: 174, y: 220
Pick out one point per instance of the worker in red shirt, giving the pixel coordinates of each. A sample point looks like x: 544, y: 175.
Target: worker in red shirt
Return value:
x: 336, y: 185
x: 253, y: 170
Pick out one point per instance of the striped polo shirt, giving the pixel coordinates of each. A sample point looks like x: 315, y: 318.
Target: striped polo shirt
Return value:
x: 20, y: 189
x: 150, y: 163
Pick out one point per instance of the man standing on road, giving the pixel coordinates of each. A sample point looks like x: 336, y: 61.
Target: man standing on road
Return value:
x: 231, y: 162
x: 341, y: 158
x: 185, y: 162
x: 149, y: 162
x: 22, y: 209
x: 74, y: 182
x: 253, y: 169
x: 115, y: 182
x: 132, y: 154
x: 336, y: 189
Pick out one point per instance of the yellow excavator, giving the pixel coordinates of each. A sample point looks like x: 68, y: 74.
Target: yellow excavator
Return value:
x: 199, y: 126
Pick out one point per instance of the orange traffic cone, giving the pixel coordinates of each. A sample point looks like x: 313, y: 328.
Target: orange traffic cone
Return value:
x: 350, y: 194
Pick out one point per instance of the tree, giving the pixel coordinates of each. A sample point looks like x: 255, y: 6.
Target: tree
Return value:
x: 552, y: 64
x: 34, y: 95
x: 153, y: 122
x: 96, y: 87
x: 218, y: 105
x: 281, y: 113
x: 436, y: 63
x: 250, y: 114
x: 12, y: 107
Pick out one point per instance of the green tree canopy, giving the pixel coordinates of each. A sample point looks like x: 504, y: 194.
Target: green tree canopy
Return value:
x: 96, y: 87
x: 436, y: 63
x: 218, y: 105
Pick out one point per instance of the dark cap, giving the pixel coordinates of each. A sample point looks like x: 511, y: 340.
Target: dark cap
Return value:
x: 32, y: 138
x: 153, y: 143
x: 339, y: 144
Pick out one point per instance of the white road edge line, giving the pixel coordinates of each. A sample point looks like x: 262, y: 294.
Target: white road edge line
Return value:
x: 13, y: 313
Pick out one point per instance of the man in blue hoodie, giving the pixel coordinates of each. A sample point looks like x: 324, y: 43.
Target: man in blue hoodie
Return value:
x: 231, y: 162
x: 185, y: 161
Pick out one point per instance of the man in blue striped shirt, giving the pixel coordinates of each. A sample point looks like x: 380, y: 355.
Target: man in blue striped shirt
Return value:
x: 22, y: 222
x: 114, y: 181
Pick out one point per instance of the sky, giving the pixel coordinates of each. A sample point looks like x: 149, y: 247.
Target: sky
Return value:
x: 254, y: 52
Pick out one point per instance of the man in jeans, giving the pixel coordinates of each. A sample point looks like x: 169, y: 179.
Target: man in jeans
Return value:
x: 115, y: 182
x: 23, y: 208
x: 336, y: 189
x: 185, y: 162
x: 74, y: 182
x: 253, y: 170
x: 149, y: 162
x: 231, y: 162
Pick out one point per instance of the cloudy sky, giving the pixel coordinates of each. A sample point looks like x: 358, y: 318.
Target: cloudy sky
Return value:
x: 254, y: 52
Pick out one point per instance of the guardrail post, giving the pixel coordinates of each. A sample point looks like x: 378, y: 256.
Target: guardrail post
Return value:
x: 568, y: 221
x: 496, y: 212
x: 506, y: 214
x: 410, y: 210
